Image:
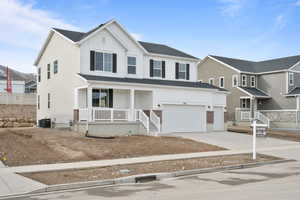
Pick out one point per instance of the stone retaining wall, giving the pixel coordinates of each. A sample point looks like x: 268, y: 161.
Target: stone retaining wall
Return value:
x: 17, y: 115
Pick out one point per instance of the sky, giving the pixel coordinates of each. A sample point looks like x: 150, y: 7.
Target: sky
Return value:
x: 246, y: 29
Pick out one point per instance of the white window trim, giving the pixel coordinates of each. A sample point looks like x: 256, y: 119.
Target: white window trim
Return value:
x: 244, y: 85
x: 252, y: 82
x: 244, y: 101
x: 157, y: 77
x: 132, y: 65
x: 237, y: 80
x: 185, y: 71
x: 293, y: 79
x: 211, y: 79
x: 104, y: 52
x: 222, y: 77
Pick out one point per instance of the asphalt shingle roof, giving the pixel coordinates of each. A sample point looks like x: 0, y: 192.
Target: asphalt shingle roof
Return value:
x: 151, y: 81
x: 254, y: 91
x: 261, y: 66
x: 295, y: 91
x: 150, y: 47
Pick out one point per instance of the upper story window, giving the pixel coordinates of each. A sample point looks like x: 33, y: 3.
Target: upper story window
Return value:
x: 222, y: 82
x: 55, y: 67
x: 211, y: 81
x: 244, y: 80
x: 49, y: 103
x: 252, y: 81
x: 39, y: 74
x: 291, y: 79
x: 48, y: 71
x: 182, y: 71
x: 157, y: 68
x: 235, y: 81
x: 131, y: 65
x: 100, y: 61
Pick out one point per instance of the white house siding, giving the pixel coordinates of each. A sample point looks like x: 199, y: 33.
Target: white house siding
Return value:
x: 17, y: 86
x: 61, y: 85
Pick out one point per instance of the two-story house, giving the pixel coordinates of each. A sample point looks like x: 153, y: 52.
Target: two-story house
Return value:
x: 270, y: 87
x: 116, y: 84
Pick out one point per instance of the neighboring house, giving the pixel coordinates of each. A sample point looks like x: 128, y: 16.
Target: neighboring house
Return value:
x: 272, y: 87
x: 30, y: 86
x: 106, y: 77
x: 19, y: 80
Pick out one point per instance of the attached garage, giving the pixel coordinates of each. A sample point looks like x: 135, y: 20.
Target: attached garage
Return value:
x: 183, y: 118
x: 218, y: 119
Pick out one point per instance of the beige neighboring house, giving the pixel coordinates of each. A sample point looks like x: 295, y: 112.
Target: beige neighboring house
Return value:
x: 105, y: 82
x: 270, y: 87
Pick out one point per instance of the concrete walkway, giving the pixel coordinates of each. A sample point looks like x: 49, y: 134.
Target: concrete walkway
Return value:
x: 11, y: 183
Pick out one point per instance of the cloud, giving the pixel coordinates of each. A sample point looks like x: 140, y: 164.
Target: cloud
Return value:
x: 23, y: 26
x: 280, y: 21
x: 231, y: 8
x: 137, y: 36
x: 297, y: 3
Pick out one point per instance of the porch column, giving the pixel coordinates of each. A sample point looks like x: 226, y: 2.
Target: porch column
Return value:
x: 252, y: 101
x: 89, y: 103
x: 131, y: 117
x: 298, y: 102
x: 76, y: 98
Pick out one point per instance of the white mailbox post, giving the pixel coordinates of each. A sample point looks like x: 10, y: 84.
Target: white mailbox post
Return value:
x: 257, y: 129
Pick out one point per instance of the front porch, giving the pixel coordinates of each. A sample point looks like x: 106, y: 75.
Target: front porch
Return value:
x: 103, y: 107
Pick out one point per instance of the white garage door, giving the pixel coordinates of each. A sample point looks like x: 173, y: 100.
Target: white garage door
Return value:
x: 218, y: 119
x: 183, y: 118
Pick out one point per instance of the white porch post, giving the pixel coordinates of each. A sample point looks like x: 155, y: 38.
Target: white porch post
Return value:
x: 76, y: 98
x: 131, y: 105
x: 89, y: 104
x: 298, y: 102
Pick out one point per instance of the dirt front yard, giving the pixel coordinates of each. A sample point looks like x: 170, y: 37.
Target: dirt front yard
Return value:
x: 92, y: 174
x: 280, y: 134
x: 28, y: 146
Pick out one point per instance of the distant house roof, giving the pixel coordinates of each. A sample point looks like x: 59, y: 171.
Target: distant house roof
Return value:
x: 254, y: 92
x: 295, y: 91
x: 150, y: 47
x: 261, y: 66
x: 151, y: 82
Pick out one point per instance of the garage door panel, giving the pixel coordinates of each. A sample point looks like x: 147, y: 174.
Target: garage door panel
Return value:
x: 182, y: 118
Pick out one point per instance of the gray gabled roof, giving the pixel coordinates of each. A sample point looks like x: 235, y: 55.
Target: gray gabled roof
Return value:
x: 150, y: 47
x: 295, y: 91
x: 151, y: 81
x: 254, y: 91
x: 261, y: 66
x: 163, y: 49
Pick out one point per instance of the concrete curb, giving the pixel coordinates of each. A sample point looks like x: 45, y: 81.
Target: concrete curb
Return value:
x: 152, y: 176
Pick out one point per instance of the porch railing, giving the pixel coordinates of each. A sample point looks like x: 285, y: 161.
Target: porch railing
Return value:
x: 155, y: 120
x: 110, y: 114
x: 245, y: 115
x: 143, y: 118
x: 83, y: 114
x: 261, y: 117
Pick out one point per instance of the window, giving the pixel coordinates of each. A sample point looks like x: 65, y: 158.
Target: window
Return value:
x: 244, y: 103
x: 39, y: 74
x: 48, y: 100
x: 221, y: 82
x: 235, y: 81
x: 38, y: 102
x: 48, y: 71
x: 291, y: 78
x: 252, y: 81
x: 211, y: 81
x: 244, y: 80
x: 131, y: 63
x: 55, y: 67
x: 103, y: 62
x: 157, y: 68
x: 182, y: 71
x: 100, y: 97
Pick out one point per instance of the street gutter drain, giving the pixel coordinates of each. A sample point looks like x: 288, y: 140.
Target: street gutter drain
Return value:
x: 145, y: 179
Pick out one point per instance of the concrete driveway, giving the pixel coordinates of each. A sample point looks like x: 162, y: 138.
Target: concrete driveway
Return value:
x: 235, y: 141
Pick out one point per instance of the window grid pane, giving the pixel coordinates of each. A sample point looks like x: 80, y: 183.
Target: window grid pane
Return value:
x: 157, y: 68
x: 108, y: 62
